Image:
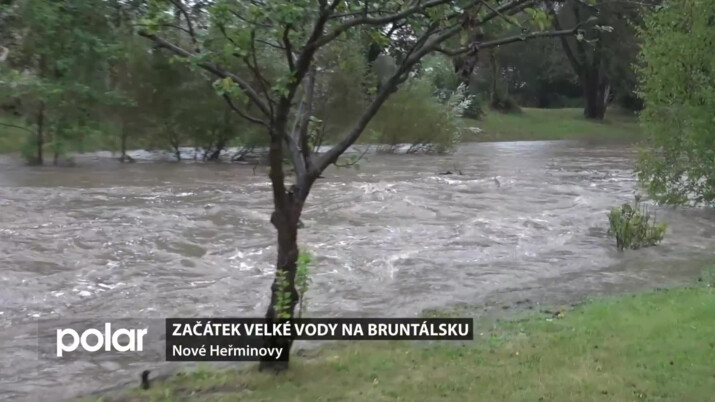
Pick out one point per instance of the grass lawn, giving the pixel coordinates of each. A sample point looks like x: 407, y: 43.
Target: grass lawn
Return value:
x: 553, y: 124
x: 653, y: 346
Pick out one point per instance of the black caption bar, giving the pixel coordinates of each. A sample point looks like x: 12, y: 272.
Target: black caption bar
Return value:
x: 244, y: 339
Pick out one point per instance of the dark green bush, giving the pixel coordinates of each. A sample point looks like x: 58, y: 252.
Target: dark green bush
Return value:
x: 414, y: 117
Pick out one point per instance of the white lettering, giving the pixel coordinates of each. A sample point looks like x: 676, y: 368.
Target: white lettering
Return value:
x: 93, y: 340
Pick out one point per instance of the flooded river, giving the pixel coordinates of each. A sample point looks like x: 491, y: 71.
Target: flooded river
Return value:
x: 525, y: 220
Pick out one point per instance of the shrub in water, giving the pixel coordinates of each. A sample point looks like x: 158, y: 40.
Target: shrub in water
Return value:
x: 631, y: 226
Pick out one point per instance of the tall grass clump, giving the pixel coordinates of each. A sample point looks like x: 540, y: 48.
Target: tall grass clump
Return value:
x: 634, y: 226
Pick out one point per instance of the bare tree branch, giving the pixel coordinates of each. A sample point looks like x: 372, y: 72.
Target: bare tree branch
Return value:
x: 214, y: 69
x: 506, y: 9
x: 288, y: 48
x: 179, y: 5
x: 499, y: 13
x: 333, y: 153
x: 254, y: 23
x: 295, y: 157
x: 15, y: 126
x: 579, y: 46
x: 264, y: 83
x: 243, y: 114
x: 166, y: 25
x: 273, y: 45
x: 511, y: 39
x: 305, y: 118
x: 565, y: 43
x: 525, y: 37
x: 364, y: 20
x: 356, y: 161
x: 385, y: 91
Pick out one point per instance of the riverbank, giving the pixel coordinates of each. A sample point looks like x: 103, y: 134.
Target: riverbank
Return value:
x: 554, y: 124
x: 16, y: 135
x: 530, y: 125
x: 656, y: 345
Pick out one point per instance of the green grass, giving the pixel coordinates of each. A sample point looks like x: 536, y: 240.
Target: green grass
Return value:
x: 553, y: 124
x: 654, y: 346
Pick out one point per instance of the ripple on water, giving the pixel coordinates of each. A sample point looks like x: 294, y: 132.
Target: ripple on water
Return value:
x: 164, y: 240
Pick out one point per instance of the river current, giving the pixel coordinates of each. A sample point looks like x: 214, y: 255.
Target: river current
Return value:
x: 523, y: 220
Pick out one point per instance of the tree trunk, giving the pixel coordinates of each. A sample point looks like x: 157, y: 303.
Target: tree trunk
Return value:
x: 55, y: 141
x: 123, y: 145
x: 595, y: 95
x: 596, y: 85
x: 216, y: 153
x: 287, y: 207
x: 177, y: 151
x: 223, y: 138
x: 606, y: 96
x: 40, y: 127
x: 284, y: 295
x: 214, y: 156
x: 493, y: 62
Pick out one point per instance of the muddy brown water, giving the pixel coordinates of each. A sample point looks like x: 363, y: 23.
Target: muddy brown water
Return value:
x: 524, y: 220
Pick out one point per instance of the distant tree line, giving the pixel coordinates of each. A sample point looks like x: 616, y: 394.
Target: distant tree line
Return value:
x: 80, y: 78
x: 592, y: 70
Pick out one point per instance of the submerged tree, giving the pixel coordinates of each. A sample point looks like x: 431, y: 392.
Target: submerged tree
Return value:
x: 677, y: 75
x: 278, y: 44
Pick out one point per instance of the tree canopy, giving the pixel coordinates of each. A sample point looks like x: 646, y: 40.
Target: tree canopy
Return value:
x: 677, y: 82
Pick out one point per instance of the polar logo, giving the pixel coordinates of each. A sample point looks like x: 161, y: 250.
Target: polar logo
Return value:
x: 92, y: 340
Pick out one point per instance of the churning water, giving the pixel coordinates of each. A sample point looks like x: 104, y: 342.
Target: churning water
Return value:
x: 391, y: 239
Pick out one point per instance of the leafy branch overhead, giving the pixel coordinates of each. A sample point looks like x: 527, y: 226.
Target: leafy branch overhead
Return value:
x: 266, y: 57
x: 261, y: 51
